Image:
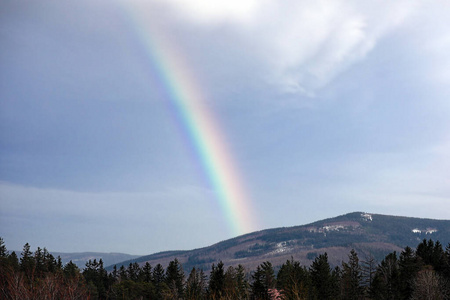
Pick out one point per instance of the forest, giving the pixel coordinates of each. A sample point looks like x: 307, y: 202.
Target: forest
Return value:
x: 420, y: 273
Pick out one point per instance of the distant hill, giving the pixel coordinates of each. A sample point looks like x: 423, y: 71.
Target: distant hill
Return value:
x: 373, y: 234
x: 80, y: 258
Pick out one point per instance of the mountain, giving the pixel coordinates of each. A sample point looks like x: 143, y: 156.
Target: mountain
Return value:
x: 80, y: 259
x: 368, y: 234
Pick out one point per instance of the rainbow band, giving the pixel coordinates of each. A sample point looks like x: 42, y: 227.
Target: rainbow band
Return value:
x: 202, y: 129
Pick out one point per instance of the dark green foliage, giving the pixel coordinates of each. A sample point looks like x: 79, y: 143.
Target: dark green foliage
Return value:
x: 123, y: 273
x: 322, y: 280
x: 263, y: 280
x: 409, y: 265
x: 216, y: 281
x: 293, y: 280
x: 70, y: 270
x: 386, y: 284
x: 446, y: 268
x: 97, y: 279
x: 146, y: 273
x: 159, y: 277
x: 196, y: 285
x: 242, y: 284
x: 133, y: 271
x: 351, y: 278
x: 174, y: 280
x: 129, y: 289
x: 27, y: 262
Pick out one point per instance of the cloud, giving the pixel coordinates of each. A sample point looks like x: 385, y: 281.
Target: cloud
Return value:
x: 302, y: 45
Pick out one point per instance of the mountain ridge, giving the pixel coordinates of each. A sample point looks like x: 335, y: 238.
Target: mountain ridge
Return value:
x: 367, y: 233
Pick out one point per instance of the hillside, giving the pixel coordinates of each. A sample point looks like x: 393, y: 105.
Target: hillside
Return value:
x: 366, y: 233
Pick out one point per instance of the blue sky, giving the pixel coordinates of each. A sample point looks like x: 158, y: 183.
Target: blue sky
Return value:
x: 328, y: 107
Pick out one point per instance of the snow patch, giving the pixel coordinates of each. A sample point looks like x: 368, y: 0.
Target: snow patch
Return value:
x: 366, y: 217
x: 281, y: 247
x: 426, y: 231
x: 430, y: 231
x: 333, y: 227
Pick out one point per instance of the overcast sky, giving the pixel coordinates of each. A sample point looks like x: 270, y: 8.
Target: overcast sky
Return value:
x: 326, y: 107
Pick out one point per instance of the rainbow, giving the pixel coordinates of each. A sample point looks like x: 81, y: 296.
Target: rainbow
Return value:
x: 202, y: 129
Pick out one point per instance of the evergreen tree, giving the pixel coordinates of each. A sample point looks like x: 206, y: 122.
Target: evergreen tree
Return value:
x: 146, y: 273
x: 133, y: 271
x: 351, y: 280
x: 3, y: 251
x: 293, y: 280
x: 158, y: 277
x: 408, y: 265
x: 70, y: 270
x: 175, y: 279
x: 216, y: 281
x: 446, y: 271
x: 196, y: 285
x: 263, y: 280
x: 242, y: 283
x: 123, y: 273
x: 27, y: 263
x: 386, y: 280
x: 39, y: 261
x: 96, y: 278
x: 115, y: 274
x: 13, y: 261
x: 322, y: 281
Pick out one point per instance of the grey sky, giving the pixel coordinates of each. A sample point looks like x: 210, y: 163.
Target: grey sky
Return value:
x: 328, y: 107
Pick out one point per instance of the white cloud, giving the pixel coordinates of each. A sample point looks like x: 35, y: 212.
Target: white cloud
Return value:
x: 216, y: 10
x: 302, y: 44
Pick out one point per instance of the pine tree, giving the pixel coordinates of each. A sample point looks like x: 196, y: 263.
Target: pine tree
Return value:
x: 242, y: 283
x: 123, y: 273
x: 27, y: 263
x: 216, y: 281
x: 351, y: 280
x: 3, y: 251
x: 133, y: 271
x: 175, y: 279
x: 408, y: 265
x: 196, y: 285
x: 322, y: 280
x: 147, y: 272
x: 293, y: 280
x: 13, y: 261
x: 263, y: 280
x: 70, y: 270
x: 158, y: 277
x: 386, y: 280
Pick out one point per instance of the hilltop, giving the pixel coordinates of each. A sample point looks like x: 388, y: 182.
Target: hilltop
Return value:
x: 368, y: 234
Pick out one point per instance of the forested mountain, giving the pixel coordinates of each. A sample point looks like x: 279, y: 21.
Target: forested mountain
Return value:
x: 421, y: 271
x: 368, y: 234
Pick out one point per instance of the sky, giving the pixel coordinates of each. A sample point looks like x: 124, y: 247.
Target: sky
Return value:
x: 142, y: 126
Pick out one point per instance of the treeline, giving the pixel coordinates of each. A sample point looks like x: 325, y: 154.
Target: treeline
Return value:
x: 423, y: 273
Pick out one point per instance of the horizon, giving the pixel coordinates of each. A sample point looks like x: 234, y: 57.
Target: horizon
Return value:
x: 218, y: 242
